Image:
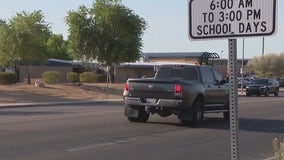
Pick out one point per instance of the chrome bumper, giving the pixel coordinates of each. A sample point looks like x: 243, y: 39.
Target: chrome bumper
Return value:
x: 156, y: 103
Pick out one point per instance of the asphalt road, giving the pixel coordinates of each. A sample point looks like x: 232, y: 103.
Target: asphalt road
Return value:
x: 101, y: 132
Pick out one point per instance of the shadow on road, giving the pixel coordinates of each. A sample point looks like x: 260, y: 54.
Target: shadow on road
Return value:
x: 262, y: 125
x: 245, y: 124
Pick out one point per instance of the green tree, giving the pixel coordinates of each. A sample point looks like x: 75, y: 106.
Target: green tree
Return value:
x: 24, y: 38
x: 57, y: 47
x: 269, y: 65
x: 6, y: 42
x: 108, y: 32
x: 81, y: 37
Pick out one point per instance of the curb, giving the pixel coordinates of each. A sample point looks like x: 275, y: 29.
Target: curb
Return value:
x: 44, y: 104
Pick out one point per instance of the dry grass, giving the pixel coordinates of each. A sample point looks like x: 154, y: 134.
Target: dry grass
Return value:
x: 59, y: 92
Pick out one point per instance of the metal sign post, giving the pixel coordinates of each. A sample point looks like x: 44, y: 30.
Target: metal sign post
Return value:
x: 233, y: 97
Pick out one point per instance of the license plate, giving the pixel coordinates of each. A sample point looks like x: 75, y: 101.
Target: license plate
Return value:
x: 151, y: 100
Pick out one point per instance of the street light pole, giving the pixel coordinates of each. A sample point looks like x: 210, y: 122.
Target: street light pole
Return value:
x: 262, y: 46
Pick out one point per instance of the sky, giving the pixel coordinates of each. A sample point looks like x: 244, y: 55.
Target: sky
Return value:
x: 167, y: 22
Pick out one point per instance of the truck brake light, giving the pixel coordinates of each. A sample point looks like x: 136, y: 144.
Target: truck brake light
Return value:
x: 126, y: 88
x: 178, y: 90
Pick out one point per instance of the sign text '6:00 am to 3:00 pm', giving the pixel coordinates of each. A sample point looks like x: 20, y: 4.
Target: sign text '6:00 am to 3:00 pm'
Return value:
x: 230, y: 17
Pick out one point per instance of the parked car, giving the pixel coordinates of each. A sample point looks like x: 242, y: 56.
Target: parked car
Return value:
x: 263, y: 86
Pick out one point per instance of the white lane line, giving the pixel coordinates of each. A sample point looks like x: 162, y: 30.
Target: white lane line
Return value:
x: 102, y: 144
x: 41, y: 110
x: 91, y: 146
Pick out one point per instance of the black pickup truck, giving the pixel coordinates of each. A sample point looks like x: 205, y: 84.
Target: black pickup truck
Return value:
x: 187, y: 91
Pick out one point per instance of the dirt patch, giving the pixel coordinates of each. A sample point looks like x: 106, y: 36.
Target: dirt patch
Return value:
x: 18, y: 93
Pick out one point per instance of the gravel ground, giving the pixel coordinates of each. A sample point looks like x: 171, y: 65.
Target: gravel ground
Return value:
x: 18, y: 93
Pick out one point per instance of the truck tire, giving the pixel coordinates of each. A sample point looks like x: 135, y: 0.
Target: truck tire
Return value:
x: 143, y: 116
x: 276, y: 93
x: 247, y: 94
x: 266, y: 94
x: 197, y: 115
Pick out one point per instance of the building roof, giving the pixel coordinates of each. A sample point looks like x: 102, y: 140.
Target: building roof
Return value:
x: 58, y: 62
x: 180, y: 54
x: 150, y: 64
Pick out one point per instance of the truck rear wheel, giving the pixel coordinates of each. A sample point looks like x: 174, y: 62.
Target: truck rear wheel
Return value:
x: 266, y: 94
x: 143, y: 116
x: 197, y: 115
x: 276, y: 93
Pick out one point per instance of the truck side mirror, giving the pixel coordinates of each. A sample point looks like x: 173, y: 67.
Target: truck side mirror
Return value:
x: 217, y: 82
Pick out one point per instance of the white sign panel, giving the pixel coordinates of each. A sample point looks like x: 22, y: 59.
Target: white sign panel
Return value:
x: 231, y: 18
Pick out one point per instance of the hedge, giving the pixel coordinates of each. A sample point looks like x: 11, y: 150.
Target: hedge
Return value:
x: 72, y: 77
x: 8, y: 78
x: 91, y: 77
x: 50, y: 77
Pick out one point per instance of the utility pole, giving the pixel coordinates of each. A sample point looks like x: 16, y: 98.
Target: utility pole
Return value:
x: 262, y: 46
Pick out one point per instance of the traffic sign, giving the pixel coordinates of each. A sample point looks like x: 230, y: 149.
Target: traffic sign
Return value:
x: 214, y: 19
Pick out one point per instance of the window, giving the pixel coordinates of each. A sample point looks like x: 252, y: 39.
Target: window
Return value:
x: 164, y: 73
x: 207, y: 75
x: 181, y: 72
x: 217, y: 75
x: 190, y: 73
x: 177, y: 73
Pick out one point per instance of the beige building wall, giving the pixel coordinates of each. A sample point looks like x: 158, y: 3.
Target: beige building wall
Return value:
x: 222, y: 66
x: 178, y: 60
x: 36, y: 72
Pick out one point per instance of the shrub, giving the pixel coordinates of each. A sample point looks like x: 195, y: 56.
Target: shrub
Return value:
x: 278, y: 148
x: 8, y: 78
x: 72, y: 77
x: 91, y: 77
x: 100, y: 78
x: 51, y: 77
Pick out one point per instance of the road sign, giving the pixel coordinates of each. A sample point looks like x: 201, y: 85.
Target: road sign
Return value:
x: 215, y: 19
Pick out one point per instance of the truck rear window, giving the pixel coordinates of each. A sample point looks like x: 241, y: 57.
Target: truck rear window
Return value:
x: 185, y: 73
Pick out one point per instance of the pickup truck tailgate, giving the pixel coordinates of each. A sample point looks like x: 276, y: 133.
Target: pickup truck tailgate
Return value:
x: 152, y: 88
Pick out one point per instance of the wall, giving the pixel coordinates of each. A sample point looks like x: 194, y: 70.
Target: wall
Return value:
x: 36, y: 71
x: 222, y: 66
x: 178, y: 60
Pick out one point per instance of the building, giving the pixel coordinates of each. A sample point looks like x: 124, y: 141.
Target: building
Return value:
x: 222, y: 66
x: 184, y: 57
x: 36, y: 70
x: 146, y: 66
